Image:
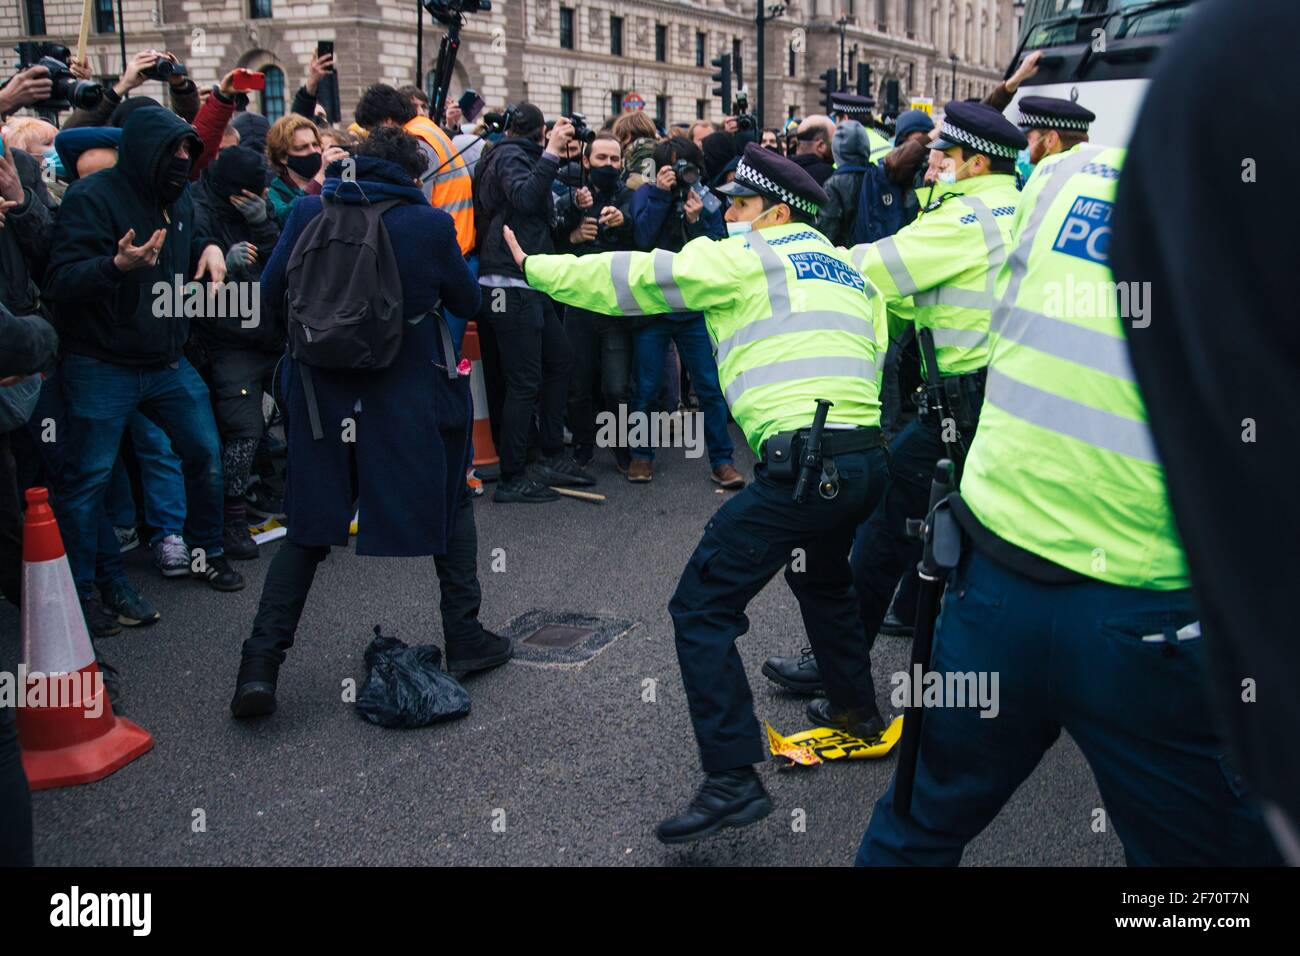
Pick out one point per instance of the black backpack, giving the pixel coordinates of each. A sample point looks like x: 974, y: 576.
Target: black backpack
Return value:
x: 343, y: 295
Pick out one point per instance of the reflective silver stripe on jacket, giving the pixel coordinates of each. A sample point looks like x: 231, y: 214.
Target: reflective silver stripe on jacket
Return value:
x: 817, y: 321
x: 457, y: 206
x: 959, y: 338
x: 778, y: 290
x: 793, y: 370
x: 1065, y: 340
x: 897, y: 268
x: 663, y: 262
x: 951, y: 295
x: 1070, y: 418
x: 619, y: 266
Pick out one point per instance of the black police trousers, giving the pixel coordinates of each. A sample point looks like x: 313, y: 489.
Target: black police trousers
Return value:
x: 751, y: 537
x: 882, y: 551
x: 290, y: 576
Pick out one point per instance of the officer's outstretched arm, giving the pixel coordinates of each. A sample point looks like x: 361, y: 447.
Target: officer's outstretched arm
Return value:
x: 926, y: 253
x: 635, y: 283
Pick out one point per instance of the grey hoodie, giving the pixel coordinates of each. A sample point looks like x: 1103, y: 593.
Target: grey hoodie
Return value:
x: 850, y: 145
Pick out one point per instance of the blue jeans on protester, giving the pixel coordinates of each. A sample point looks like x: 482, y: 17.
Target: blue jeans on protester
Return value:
x: 455, y: 324
x: 51, y: 407
x: 1087, y: 658
x: 649, y: 345
x: 161, y: 481
x: 101, y: 398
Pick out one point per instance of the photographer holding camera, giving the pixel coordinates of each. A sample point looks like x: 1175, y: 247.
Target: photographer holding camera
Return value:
x: 596, y: 217
x: 514, y: 189
x: 667, y: 214
x: 144, y: 66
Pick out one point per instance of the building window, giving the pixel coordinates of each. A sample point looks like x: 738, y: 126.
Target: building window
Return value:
x: 735, y: 59
x: 36, y: 17
x: 259, y: 9
x: 566, y: 28
x: 616, y: 102
x: 104, y: 17
x: 700, y: 106
x: 699, y: 48
x: 882, y: 17
x: 790, y: 68
x: 661, y: 43
x: 566, y: 101
x: 909, y: 18
x: 661, y: 111
x: 616, y: 36
x: 273, y: 95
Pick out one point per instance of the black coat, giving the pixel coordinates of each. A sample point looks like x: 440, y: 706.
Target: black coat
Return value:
x: 513, y: 189
x: 223, y: 224
x: 568, y: 217
x: 100, y: 311
x: 25, y: 239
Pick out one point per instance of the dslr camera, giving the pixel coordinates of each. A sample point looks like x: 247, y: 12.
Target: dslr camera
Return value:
x: 68, y: 91
x: 688, y: 174
x: 744, y: 122
x: 163, y: 69
x: 581, y: 131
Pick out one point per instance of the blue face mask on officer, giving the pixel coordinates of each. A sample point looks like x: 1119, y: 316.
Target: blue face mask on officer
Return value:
x: 1024, y: 165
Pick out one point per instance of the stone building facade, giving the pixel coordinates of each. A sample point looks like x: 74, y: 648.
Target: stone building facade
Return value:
x: 564, y: 55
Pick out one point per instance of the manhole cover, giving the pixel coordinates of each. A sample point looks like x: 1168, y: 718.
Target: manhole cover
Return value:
x: 563, y: 638
x: 558, y: 635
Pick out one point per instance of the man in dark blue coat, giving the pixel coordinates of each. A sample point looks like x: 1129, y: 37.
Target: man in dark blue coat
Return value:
x: 396, y: 441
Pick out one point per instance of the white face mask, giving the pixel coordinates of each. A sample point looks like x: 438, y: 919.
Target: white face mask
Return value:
x: 740, y: 228
x: 951, y: 177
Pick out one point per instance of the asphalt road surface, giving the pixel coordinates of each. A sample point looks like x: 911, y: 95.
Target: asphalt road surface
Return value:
x: 555, y: 765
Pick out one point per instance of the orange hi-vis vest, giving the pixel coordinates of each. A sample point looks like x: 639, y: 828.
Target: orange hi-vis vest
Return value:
x: 452, y: 185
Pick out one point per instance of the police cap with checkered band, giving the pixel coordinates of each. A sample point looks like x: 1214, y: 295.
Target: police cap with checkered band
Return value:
x: 761, y: 172
x: 1048, y: 112
x: 852, y: 105
x: 979, y: 128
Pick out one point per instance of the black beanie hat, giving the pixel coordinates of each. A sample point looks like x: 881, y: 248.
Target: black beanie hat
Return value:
x: 127, y: 107
x: 236, y: 168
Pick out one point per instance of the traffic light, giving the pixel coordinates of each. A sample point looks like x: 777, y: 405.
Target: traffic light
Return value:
x: 864, y: 79
x: 723, y: 78
x: 828, y: 88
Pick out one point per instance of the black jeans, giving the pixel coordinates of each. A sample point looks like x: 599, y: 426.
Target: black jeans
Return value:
x: 602, y: 354
x: 15, y: 798
x: 293, y: 569
x: 536, y: 360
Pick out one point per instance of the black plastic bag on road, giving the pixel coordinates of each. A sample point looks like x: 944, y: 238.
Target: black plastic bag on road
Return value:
x: 407, y: 687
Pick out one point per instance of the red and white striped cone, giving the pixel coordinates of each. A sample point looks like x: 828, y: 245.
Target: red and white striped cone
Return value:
x: 485, y: 452
x: 66, y: 725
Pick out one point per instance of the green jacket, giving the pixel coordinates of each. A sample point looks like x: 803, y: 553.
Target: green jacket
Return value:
x: 282, y: 194
x: 791, y: 319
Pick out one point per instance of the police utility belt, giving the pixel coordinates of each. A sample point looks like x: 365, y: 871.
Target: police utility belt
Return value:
x: 958, y: 399
x: 783, y: 452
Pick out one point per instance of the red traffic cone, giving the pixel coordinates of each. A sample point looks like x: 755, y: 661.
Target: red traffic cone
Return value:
x: 485, y: 452
x: 65, y: 721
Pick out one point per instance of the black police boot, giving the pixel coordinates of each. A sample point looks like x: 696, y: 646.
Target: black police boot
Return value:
x: 894, y: 626
x: 798, y: 675
x: 254, y: 690
x: 861, y: 724
x: 482, y: 653
x: 731, y: 798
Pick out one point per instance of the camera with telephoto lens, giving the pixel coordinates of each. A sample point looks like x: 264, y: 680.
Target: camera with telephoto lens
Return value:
x: 688, y: 174
x: 163, y: 69
x: 581, y: 131
x: 67, y: 92
x: 445, y: 11
x: 744, y: 122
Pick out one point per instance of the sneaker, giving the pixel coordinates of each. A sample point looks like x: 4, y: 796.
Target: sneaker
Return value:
x: 220, y: 575
x: 131, y: 609
x: 640, y: 469
x: 128, y: 539
x: 522, y: 489
x: 727, y: 476
x: 172, y: 556
x: 263, y: 501
x: 473, y: 483
x: 483, y: 653
x: 99, y: 622
x: 238, y: 544
x: 561, y: 470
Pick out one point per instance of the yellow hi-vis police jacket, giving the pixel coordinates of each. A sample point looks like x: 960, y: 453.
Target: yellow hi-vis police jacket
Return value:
x: 790, y: 318
x: 939, y: 270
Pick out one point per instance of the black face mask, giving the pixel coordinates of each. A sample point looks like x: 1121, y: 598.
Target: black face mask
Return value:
x: 174, y: 177
x: 305, y: 166
x: 603, y: 179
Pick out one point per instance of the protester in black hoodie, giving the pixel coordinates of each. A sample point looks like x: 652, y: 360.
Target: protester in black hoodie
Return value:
x: 237, y: 356
x: 514, y: 189
x: 115, y: 303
